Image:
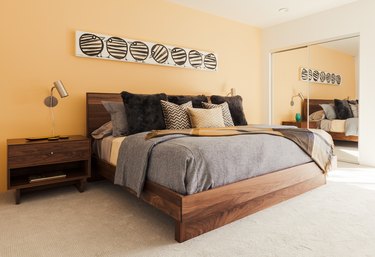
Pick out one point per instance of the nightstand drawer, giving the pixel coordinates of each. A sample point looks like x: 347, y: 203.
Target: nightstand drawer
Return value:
x: 49, y: 153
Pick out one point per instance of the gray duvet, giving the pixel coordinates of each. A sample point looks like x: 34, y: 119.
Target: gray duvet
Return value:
x: 351, y: 127
x: 190, y: 165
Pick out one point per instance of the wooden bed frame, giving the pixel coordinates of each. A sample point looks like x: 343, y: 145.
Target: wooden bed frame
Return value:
x: 315, y: 106
x: 202, y: 212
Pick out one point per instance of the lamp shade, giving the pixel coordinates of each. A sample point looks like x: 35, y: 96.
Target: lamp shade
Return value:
x: 51, y: 101
x: 60, y: 88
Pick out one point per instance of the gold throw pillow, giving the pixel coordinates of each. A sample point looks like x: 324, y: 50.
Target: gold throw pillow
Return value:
x: 206, y: 118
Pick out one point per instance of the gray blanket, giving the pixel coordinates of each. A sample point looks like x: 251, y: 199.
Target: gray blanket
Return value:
x: 351, y: 127
x: 189, y: 165
x: 133, y: 158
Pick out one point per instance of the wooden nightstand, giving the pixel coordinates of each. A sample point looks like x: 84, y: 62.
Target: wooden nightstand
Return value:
x: 300, y: 124
x: 40, y: 164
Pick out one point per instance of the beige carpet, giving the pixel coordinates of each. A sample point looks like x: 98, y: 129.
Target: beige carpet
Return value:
x: 334, y: 220
x: 346, y: 151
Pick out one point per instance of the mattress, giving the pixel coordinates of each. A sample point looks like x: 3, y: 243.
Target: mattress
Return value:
x: 348, y: 126
x: 337, y: 126
x: 261, y: 154
x: 108, y: 148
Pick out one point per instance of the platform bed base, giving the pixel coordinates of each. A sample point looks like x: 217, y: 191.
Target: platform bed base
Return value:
x: 202, y: 212
x: 341, y: 137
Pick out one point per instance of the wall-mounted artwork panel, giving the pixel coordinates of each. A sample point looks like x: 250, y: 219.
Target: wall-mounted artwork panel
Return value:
x: 321, y: 77
x: 94, y: 45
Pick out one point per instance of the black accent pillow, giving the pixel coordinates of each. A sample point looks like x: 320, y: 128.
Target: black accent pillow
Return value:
x: 182, y: 99
x: 343, y: 110
x: 235, y: 107
x: 143, y: 112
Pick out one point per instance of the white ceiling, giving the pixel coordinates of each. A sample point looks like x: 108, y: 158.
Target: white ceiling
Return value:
x: 262, y: 13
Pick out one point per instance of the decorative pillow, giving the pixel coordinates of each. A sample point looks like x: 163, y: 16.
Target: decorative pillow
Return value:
x: 235, y: 107
x: 225, y: 109
x: 317, y: 116
x: 354, y: 108
x: 353, y: 101
x: 181, y: 99
x: 343, y: 110
x: 176, y: 116
x: 329, y: 111
x: 118, y: 117
x: 143, y: 112
x: 206, y: 118
x: 104, y: 130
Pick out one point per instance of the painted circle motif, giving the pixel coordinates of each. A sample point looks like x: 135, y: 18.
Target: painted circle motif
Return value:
x: 139, y: 50
x: 322, y: 76
x: 304, y: 74
x: 195, y: 58
x: 179, y: 56
x: 159, y: 53
x: 210, y: 61
x: 315, y: 75
x: 328, y: 77
x: 333, y: 78
x: 310, y: 74
x: 117, y: 47
x: 338, y: 79
x: 90, y: 44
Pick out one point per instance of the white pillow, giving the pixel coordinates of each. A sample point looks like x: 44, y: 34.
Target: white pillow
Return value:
x: 228, y: 121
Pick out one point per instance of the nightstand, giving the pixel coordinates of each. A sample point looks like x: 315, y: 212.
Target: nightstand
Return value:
x: 40, y: 164
x: 301, y: 124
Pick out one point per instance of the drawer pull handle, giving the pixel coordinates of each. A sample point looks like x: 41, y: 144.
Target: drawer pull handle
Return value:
x: 51, y: 153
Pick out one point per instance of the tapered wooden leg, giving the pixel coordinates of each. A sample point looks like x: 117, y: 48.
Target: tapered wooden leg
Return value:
x: 81, y: 185
x: 17, y: 195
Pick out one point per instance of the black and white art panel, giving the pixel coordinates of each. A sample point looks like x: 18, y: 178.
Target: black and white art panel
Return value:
x: 321, y: 77
x: 94, y: 45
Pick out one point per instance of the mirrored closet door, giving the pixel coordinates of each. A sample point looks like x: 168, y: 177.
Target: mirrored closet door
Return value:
x: 316, y: 86
x: 288, y: 91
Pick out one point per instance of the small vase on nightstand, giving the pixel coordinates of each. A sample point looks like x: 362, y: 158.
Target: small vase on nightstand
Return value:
x: 298, y: 117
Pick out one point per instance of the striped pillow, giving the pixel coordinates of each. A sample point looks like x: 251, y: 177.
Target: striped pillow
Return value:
x: 225, y: 109
x: 176, y: 116
x: 206, y: 118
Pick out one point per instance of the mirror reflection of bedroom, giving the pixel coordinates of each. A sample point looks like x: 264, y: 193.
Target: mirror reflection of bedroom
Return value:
x: 316, y: 86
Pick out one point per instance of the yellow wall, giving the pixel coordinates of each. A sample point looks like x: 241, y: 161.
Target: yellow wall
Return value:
x: 326, y: 59
x: 286, y: 68
x: 285, y: 83
x: 37, y: 43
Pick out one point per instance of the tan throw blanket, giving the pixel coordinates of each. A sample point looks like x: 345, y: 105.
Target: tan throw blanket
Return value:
x: 316, y: 143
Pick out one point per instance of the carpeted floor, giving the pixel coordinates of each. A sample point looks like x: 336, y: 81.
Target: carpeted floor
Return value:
x: 346, y: 151
x: 337, y: 219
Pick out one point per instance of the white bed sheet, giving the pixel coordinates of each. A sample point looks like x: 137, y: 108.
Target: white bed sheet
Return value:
x: 333, y: 125
x: 109, y: 149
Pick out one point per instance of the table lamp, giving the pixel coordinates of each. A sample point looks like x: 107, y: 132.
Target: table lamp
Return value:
x: 51, y: 101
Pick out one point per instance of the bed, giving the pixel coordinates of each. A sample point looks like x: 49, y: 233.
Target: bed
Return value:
x: 202, y: 212
x: 336, y: 128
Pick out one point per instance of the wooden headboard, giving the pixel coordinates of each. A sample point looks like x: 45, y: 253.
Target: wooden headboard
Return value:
x: 96, y: 114
x: 314, y: 106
